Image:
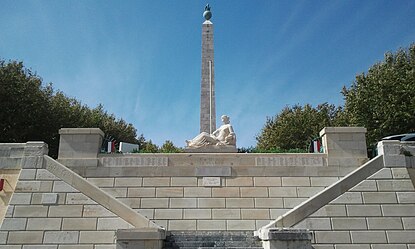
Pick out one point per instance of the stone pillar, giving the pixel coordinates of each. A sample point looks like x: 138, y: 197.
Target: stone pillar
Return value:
x: 83, y: 144
x: 207, y: 86
x: 397, y: 154
x: 286, y: 238
x: 344, y: 146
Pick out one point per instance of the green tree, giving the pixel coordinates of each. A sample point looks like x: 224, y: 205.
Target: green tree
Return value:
x: 383, y: 99
x: 294, y: 127
x: 169, y: 147
x: 149, y: 147
x: 32, y: 112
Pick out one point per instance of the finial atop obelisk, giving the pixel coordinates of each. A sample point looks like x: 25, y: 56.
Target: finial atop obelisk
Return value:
x: 207, y: 14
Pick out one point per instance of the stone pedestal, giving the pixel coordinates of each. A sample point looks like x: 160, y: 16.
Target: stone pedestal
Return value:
x: 345, y: 146
x: 397, y: 154
x: 80, y: 143
x: 274, y: 238
x: 212, y: 149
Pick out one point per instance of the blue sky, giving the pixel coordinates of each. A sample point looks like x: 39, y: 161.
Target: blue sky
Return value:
x: 141, y: 59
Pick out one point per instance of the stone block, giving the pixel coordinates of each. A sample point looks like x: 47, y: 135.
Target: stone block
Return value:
x: 65, y: 211
x: 226, y: 214
x: 30, y: 211
x: 96, y: 211
x: 295, y: 181
x: 322, y: 181
x: 182, y: 225
x: 390, y: 246
x: 384, y: 223
x: 379, y: 197
x: 3, y: 238
x: 43, y: 174
x: 112, y: 224
x: 49, y: 199
x: 225, y: 192
x: 400, y: 173
x: 169, y: 192
x: 373, y: 237
x: 406, y: 197
x: 277, y: 212
x: 255, y: 214
x: 330, y: 210
x: 184, y: 181
x: 155, y: 203
x: 40, y: 246
x: 9, y: 211
x: 332, y: 237
x: 149, y: 213
x: 395, y: 185
x: 355, y: 246
x: 398, y: 210
x: 384, y: 173
x: 239, y: 181
x: 96, y: 237
x: 213, y: 171
x: 128, y: 182
x: 20, y: 198
x: 79, y: 224
x: 366, y: 185
x: 239, y: 203
x: 293, y: 202
x: 197, y: 192
x: 116, y: 192
x: 13, y: 224
x: 141, y: 192
x: 363, y: 210
x: 182, y: 202
x: 78, y: 198
x: 214, y: 225
x: 102, y: 182
x: 197, y: 214
x: 27, y: 174
x: 308, y: 191
x: 254, y: 191
x: 44, y: 224
x: 349, y: 223
x: 282, y: 192
x: 76, y: 246
x: 25, y: 237
x: 60, y: 186
x: 315, y: 224
x: 269, y: 203
x: 156, y: 182
x: 267, y: 181
x: 33, y: 186
x: 211, y: 181
x: 240, y: 225
x: 349, y: 198
x: 211, y: 202
x: 166, y: 214
x: 61, y: 237
x: 408, y: 223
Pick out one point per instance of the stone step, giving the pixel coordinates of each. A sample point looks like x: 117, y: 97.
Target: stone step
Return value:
x: 211, y: 239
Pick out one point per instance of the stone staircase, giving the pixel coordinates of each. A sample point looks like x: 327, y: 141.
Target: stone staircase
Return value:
x: 211, y: 239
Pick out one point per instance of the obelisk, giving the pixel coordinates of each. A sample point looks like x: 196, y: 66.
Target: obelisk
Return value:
x: 207, y: 85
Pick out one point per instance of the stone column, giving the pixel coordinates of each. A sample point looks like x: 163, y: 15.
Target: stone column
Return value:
x: 344, y: 146
x: 207, y: 86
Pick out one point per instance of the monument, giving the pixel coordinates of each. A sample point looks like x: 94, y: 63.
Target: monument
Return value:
x: 210, y: 139
x: 207, y: 84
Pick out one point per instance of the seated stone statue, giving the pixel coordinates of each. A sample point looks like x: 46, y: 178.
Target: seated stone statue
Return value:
x: 223, y: 136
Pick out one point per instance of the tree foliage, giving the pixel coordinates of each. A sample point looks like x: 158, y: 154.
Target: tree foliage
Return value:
x: 33, y: 112
x: 383, y: 99
x: 294, y: 127
x: 169, y: 147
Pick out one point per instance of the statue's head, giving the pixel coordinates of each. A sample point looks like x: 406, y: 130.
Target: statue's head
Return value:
x: 225, y: 119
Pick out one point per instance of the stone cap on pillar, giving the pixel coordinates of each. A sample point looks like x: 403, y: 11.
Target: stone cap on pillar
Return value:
x: 326, y: 130
x: 72, y: 131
